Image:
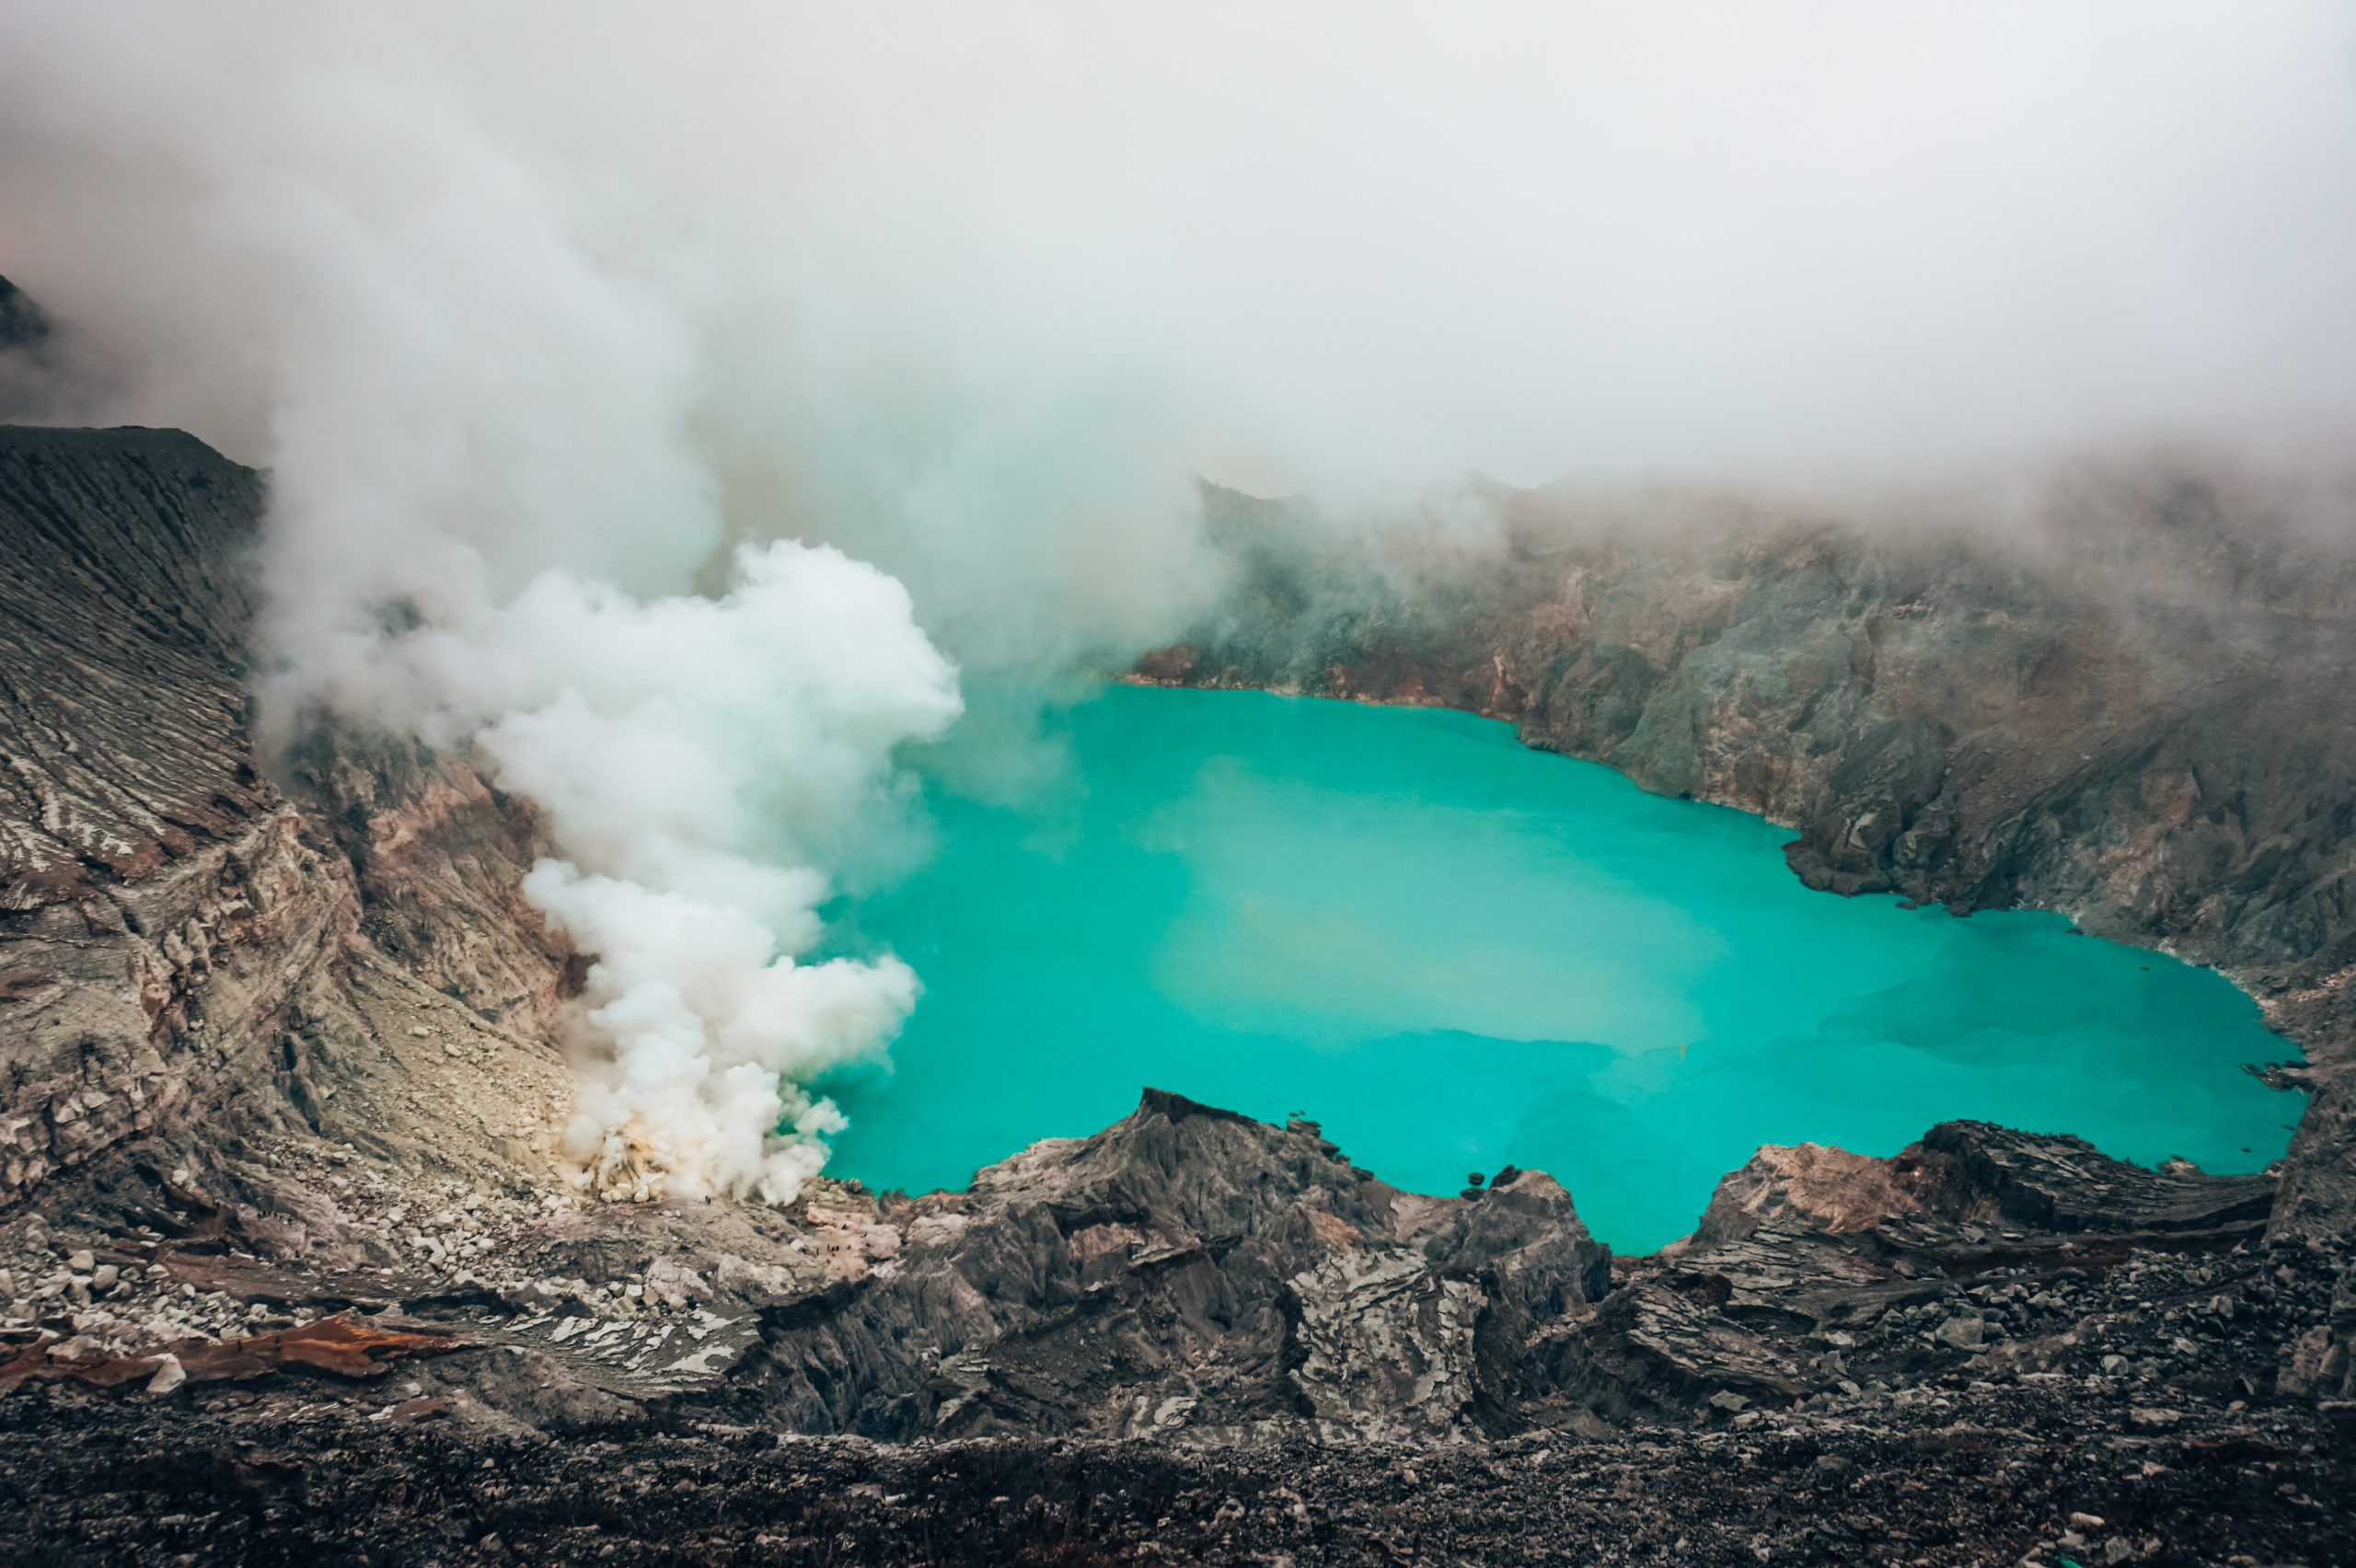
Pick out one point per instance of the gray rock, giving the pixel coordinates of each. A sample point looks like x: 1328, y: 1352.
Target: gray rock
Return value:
x: 169, y: 1375
x: 1189, y: 1263
x: 140, y: 841
x: 1961, y: 1331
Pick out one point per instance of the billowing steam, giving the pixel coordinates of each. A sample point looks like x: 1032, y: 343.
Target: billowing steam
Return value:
x: 695, y: 758
x: 548, y: 318
x: 488, y: 511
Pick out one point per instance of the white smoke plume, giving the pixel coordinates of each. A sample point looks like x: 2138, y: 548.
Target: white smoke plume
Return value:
x: 538, y: 312
x: 696, y: 759
x: 485, y: 511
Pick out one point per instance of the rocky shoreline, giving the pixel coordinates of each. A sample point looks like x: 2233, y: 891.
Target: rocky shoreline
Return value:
x: 290, y: 1268
x: 1993, y: 1348
x: 2119, y: 701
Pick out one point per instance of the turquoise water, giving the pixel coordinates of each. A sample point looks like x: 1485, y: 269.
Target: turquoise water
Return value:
x: 1458, y: 953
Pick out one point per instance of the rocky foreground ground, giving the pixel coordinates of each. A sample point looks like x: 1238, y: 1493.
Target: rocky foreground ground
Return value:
x: 1995, y: 1348
x: 2041, y: 1469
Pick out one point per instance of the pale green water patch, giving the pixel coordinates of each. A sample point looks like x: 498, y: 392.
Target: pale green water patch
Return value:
x: 1458, y: 953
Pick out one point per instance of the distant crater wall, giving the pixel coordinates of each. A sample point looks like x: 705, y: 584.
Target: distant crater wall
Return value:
x: 2138, y: 711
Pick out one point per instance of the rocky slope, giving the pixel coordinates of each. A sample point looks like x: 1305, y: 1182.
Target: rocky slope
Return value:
x: 185, y: 943
x: 288, y: 1266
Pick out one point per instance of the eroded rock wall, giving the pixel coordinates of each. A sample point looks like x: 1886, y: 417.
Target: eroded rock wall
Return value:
x: 187, y: 948
x: 2135, y: 712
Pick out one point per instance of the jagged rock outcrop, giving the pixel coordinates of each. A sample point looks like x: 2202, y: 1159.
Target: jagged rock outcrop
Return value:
x: 2131, y: 708
x: 1186, y: 1268
x: 1191, y: 1276
x: 1814, y: 1271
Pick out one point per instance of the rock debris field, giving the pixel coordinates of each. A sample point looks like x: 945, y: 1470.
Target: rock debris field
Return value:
x: 2043, y: 1471
x: 482, y: 1406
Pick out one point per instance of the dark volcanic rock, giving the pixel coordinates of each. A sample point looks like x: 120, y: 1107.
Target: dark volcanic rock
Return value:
x: 48, y: 371
x: 1186, y: 1268
x: 1815, y: 1271
x: 1992, y: 1477
x: 22, y: 323
x: 2017, y: 1395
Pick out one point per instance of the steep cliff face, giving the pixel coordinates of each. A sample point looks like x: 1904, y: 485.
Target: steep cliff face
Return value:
x: 160, y: 905
x: 187, y: 948
x: 2134, y: 710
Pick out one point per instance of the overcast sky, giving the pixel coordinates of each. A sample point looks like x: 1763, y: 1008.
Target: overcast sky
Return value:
x: 1324, y: 242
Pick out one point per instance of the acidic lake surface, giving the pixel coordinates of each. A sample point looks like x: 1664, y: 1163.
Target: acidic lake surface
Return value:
x: 1457, y: 953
